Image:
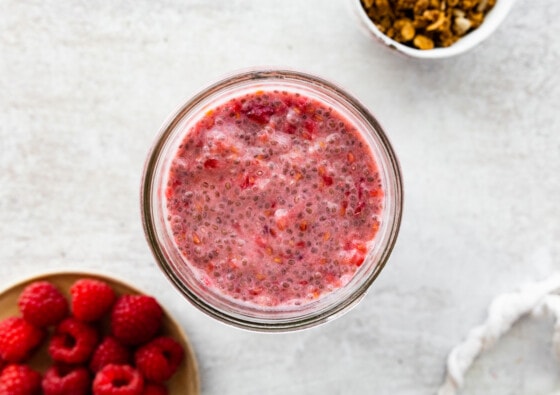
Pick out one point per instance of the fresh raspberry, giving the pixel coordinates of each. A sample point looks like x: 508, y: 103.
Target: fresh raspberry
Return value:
x: 109, y: 351
x: 155, y: 389
x: 64, y: 380
x: 42, y: 304
x: 135, y: 319
x: 19, y: 380
x: 73, y: 341
x: 118, y: 380
x: 18, y: 339
x: 91, y: 299
x: 159, y: 359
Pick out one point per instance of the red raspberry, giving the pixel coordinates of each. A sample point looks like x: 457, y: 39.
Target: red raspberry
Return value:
x: 155, y: 389
x: 109, y: 351
x: 159, y: 359
x: 42, y: 304
x: 72, y: 342
x: 91, y: 299
x: 118, y: 380
x: 63, y: 380
x: 18, y: 339
x: 258, y: 112
x: 135, y: 319
x: 19, y: 380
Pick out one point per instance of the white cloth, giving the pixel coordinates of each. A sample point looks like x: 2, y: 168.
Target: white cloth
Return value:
x: 537, y: 299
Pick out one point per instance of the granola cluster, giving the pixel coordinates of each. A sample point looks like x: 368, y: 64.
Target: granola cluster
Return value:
x: 426, y: 24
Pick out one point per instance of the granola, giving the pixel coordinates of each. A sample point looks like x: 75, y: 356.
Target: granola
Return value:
x: 427, y: 24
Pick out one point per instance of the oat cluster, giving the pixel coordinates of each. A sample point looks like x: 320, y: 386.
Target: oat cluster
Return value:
x: 427, y: 24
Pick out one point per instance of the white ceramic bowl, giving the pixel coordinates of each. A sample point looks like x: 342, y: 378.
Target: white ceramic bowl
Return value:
x: 491, y: 22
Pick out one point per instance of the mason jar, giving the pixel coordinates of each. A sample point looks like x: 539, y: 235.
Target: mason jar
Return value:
x: 272, y: 200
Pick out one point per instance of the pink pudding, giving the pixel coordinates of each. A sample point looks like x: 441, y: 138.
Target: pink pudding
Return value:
x: 273, y: 198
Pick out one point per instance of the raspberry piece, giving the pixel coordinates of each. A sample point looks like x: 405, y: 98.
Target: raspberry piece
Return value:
x: 211, y: 163
x: 155, y: 389
x: 258, y: 112
x: 135, y: 319
x: 63, y: 380
x: 72, y: 342
x: 109, y: 351
x: 19, y: 380
x: 18, y: 339
x: 118, y: 380
x: 159, y: 359
x: 91, y: 299
x: 42, y: 304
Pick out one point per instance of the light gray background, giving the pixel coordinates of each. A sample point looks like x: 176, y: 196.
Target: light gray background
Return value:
x: 85, y: 85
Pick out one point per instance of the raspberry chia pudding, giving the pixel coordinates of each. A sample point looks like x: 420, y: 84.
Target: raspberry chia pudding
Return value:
x: 270, y: 198
x: 273, y: 197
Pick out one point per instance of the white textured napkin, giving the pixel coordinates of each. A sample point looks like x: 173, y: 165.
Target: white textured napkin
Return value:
x: 537, y: 299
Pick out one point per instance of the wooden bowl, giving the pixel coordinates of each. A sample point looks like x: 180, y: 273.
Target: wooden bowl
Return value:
x: 185, y: 381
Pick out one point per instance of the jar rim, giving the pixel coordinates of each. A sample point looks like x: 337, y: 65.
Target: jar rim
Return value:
x: 154, y: 160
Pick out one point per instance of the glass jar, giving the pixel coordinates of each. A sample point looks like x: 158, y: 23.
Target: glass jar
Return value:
x: 174, y: 263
